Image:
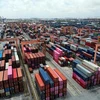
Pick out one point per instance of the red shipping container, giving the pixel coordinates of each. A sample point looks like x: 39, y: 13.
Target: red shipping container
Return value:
x: 47, y: 86
x: 64, y: 93
x: 28, y: 59
x: 16, y: 88
x: 47, y: 94
x: 2, y: 66
x: 13, y: 61
x: 87, y: 55
x: 88, y: 44
x: 56, y: 83
x: 5, y: 79
x: 4, y: 55
x: 31, y: 57
x: 21, y: 88
x: 35, y: 58
x: 47, y: 98
x: 15, y: 76
x: 10, y: 62
x: 60, y: 90
x: 11, y: 84
x: 78, y: 80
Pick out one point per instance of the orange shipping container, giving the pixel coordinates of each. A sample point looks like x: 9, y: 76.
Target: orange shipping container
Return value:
x: 52, y: 74
x: 1, y: 79
x: 19, y: 73
x: 40, y: 82
x: 61, y: 75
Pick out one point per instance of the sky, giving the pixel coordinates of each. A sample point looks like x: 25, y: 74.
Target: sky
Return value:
x: 50, y: 8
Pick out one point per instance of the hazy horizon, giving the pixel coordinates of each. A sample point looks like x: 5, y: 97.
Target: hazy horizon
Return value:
x: 49, y: 9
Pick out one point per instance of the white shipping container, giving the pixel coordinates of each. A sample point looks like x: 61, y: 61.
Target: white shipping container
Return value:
x: 59, y: 62
x: 84, y: 70
x: 7, y: 65
x: 15, y: 49
x: 65, y: 43
x: 47, y: 66
x: 12, y: 48
x: 63, y: 58
x: 89, y: 41
x: 82, y: 42
x: 90, y: 65
x: 7, y: 93
x: 16, y: 57
x: 75, y: 39
x: 51, y: 43
x: 1, y: 91
x: 73, y: 47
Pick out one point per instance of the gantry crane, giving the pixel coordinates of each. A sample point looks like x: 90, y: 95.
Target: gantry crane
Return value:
x: 11, y: 39
x: 37, y: 41
x: 96, y: 49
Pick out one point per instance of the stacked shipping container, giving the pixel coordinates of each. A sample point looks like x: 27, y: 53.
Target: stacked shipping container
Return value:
x: 86, y: 73
x: 50, y: 83
x: 33, y: 58
x: 11, y: 78
x: 61, y: 55
x: 69, y: 49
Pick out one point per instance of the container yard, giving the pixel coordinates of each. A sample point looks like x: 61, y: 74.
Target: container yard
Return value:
x: 39, y: 61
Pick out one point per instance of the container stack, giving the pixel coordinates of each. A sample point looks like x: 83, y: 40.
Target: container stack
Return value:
x: 62, y: 85
x: 9, y: 58
x: 40, y: 86
x: 55, y: 79
x: 50, y: 83
x: 33, y: 58
x: 56, y: 55
x: 11, y: 81
x: 20, y: 79
x: 46, y: 81
x: 61, y: 55
x: 2, y: 93
x: 86, y: 73
x: 62, y: 61
x: 10, y: 71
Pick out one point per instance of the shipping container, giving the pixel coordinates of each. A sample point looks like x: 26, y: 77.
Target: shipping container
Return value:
x: 40, y: 82
x: 15, y: 76
x: 10, y: 74
x: 90, y: 65
x: 79, y: 73
x: 5, y: 79
x: 2, y: 65
x: 44, y: 76
x: 19, y: 73
x: 52, y: 74
x: 1, y: 80
x: 84, y: 70
x: 61, y: 75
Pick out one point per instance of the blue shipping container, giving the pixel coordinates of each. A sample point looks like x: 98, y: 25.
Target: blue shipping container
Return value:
x: 7, y: 90
x: 51, y: 81
x: 75, y: 62
x: 79, y: 73
x: 41, y: 93
x: 1, y: 53
x: 44, y: 76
